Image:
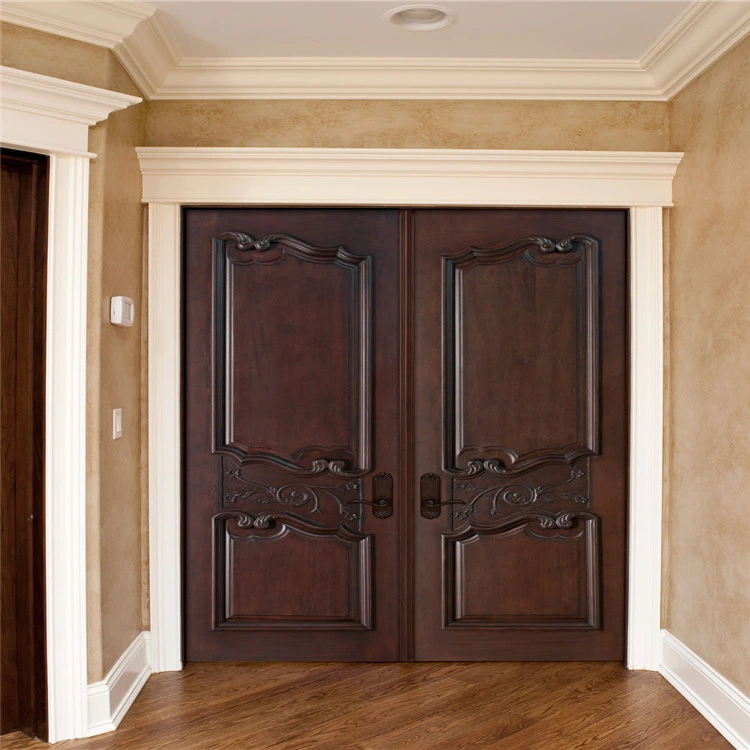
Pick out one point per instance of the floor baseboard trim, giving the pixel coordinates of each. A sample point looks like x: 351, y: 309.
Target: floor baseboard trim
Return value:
x: 110, y: 699
x: 714, y: 696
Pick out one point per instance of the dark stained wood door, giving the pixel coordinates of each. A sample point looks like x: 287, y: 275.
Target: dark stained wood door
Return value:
x: 521, y: 425
x: 291, y: 434
x: 23, y: 224
x: 467, y: 368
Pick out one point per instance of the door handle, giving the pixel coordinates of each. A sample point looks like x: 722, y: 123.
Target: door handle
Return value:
x: 429, y: 496
x: 382, y: 496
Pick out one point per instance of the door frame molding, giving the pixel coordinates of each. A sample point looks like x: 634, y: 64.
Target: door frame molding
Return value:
x: 638, y: 181
x: 52, y: 116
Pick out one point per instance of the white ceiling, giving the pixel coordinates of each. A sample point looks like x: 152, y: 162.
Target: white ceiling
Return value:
x: 622, y: 50
x: 596, y: 29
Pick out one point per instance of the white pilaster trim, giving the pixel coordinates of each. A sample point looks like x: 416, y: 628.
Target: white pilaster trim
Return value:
x: 52, y: 116
x: 110, y: 699
x: 641, y: 181
x: 720, y: 702
x: 165, y: 459
x: 646, y: 436
x: 65, y: 470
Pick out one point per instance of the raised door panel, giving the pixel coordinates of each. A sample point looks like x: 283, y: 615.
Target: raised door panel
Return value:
x: 287, y: 310
x: 330, y: 588
x: 532, y: 303
x: 520, y: 540
x: 531, y: 570
x: 292, y: 551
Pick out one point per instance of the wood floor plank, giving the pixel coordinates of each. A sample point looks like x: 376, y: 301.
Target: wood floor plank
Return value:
x: 502, y: 706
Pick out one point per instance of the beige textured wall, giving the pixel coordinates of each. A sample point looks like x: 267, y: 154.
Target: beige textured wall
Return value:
x: 116, y: 234
x: 114, y: 488
x: 707, y: 545
x: 59, y: 57
x: 621, y: 126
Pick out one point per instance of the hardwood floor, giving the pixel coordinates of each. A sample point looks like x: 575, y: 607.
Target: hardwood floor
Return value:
x: 508, y: 706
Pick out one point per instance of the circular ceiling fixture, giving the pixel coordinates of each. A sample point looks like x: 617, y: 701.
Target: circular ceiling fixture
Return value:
x: 420, y: 17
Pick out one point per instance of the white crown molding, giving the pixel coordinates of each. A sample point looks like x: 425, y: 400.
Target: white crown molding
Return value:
x: 404, y: 78
x: 51, y: 114
x: 699, y: 37
x: 110, y: 699
x: 104, y: 24
x: 713, y: 695
x: 705, y: 31
x: 149, y: 56
x: 686, y: 48
x: 414, y: 176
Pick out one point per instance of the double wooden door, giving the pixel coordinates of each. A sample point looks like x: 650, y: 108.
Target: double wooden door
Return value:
x: 405, y: 434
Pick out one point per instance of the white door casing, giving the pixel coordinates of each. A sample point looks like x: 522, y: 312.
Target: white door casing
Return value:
x: 638, y: 181
x: 52, y: 116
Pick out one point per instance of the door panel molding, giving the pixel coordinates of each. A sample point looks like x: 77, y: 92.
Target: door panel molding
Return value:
x: 577, y: 535
x: 235, y: 530
x: 234, y: 253
x: 640, y: 181
x: 575, y: 251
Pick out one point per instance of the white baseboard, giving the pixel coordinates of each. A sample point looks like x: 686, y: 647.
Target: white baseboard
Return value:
x: 716, y: 698
x: 110, y: 699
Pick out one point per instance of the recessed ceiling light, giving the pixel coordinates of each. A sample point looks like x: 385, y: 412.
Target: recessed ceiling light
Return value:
x: 420, y: 17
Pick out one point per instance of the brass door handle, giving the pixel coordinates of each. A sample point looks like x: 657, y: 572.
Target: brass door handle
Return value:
x: 429, y: 496
x: 382, y: 493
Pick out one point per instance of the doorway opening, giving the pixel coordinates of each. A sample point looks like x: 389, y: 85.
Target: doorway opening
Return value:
x: 314, y: 530
x: 25, y: 197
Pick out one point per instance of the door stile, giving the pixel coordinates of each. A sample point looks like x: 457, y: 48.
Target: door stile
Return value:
x: 406, y: 435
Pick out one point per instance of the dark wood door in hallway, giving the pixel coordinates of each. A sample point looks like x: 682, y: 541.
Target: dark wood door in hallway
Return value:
x: 521, y: 428
x: 405, y: 434
x: 511, y: 706
x: 291, y: 433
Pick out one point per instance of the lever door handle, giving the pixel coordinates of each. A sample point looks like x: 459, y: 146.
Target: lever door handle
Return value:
x: 382, y: 496
x: 429, y: 496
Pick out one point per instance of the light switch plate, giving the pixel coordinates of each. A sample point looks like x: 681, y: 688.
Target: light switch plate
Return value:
x: 116, y: 424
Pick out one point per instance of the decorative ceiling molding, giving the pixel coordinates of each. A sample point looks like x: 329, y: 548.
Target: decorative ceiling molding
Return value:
x: 696, y: 39
x: 402, y: 78
x: 105, y: 24
x: 39, y: 112
x: 699, y: 36
x: 150, y: 57
x: 414, y: 176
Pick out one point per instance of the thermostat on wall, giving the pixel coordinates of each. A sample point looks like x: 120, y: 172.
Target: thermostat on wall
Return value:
x: 122, y: 311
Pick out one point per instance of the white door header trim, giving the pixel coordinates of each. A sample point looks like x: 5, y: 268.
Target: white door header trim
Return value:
x: 412, y: 177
